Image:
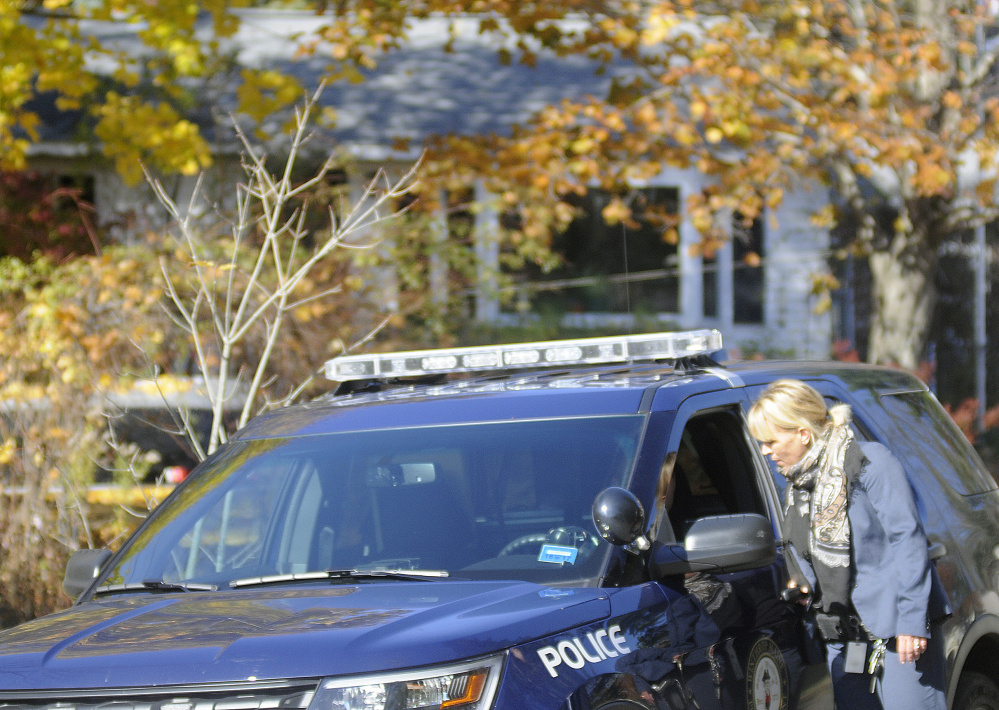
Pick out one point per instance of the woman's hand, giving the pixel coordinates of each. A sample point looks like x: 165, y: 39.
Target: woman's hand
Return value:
x: 910, y: 648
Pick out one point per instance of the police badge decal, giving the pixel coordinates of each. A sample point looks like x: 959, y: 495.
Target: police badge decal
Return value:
x: 766, y: 677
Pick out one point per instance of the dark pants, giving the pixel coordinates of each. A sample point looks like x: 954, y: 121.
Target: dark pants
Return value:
x: 910, y: 685
x: 852, y: 691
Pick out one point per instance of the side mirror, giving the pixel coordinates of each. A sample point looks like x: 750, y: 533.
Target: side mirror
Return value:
x: 719, y: 543
x: 82, y: 569
x: 620, y: 519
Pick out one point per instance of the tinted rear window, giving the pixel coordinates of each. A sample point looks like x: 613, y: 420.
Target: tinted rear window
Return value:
x: 934, y: 443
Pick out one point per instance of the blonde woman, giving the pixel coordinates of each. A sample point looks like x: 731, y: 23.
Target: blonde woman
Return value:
x: 851, y: 515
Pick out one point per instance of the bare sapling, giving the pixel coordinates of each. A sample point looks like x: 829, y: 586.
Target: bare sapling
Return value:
x: 272, y: 251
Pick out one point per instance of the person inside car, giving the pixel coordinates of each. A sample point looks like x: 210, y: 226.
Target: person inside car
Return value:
x: 851, y: 514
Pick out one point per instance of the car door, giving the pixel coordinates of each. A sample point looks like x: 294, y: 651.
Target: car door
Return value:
x: 741, y: 644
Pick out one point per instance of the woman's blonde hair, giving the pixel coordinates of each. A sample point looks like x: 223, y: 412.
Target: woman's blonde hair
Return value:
x: 790, y: 404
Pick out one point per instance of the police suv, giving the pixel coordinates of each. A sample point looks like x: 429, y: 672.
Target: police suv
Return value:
x: 488, y: 528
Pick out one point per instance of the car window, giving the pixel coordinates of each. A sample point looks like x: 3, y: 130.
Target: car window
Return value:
x: 713, y: 472
x: 480, y: 501
x: 231, y: 533
x: 930, y: 440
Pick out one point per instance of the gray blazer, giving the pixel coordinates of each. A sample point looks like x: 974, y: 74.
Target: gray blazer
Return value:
x: 896, y: 589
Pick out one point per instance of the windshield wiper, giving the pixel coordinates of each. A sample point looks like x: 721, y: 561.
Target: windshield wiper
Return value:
x: 156, y: 585
x: 347, y: 574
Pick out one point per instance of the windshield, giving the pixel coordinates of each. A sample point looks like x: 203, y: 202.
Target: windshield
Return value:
x: 507, y: 500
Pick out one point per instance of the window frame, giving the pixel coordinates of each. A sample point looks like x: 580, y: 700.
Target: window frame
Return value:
x: 732, y: 403
x: 578, y: 282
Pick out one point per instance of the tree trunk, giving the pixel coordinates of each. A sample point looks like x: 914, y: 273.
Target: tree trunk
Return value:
x: 904, y: 296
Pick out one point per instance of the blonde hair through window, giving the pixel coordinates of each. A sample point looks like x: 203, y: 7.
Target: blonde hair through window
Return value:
x: 790, y: 404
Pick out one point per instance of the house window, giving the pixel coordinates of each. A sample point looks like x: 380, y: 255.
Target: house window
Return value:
x: 747, y: 270
x: 621, y: 268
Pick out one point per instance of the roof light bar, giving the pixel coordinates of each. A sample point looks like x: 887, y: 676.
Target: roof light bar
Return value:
x: 557, y: 353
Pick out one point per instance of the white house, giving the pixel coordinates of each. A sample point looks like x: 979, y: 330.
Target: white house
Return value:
x: 612, y: 276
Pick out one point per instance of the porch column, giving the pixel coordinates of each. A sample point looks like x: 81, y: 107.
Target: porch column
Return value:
x: 691, y: 271
x: 486, y: 257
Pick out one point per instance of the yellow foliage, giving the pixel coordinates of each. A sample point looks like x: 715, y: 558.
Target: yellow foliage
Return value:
x: 302, y: 314
x: 615, y: 212
x: 685, y: 135
x: 7, y: 451
x: 660, y: 25
x: 967, y: 47
x: 822, y: 304
x: 930, y: 53
x: 932, y: 178
x: 264, y: 92
x: 645, y: 116
x: 134, y: 131
x: 825, y: 217
x: 758, y: 96
x: 823, y: 284
x: 732, y: 127
x: 951, y: 99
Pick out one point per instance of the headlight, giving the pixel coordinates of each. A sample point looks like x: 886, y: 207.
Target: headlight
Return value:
x: 464, y: 686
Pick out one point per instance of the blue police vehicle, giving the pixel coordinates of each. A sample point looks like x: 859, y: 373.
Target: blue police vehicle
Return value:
x: 491, y: 527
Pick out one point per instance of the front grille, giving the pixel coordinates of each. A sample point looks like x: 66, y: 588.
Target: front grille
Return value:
x: 249, y: 696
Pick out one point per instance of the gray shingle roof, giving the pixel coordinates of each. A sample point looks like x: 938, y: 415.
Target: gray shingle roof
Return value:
x: 416, y: 91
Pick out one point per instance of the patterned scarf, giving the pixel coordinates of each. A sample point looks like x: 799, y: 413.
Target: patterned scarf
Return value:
x: 820, y: 489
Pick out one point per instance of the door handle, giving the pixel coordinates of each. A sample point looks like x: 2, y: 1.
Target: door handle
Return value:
x: 795, y: 593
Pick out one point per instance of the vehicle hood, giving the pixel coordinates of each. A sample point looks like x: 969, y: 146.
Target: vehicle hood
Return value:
x: 276, y: 633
